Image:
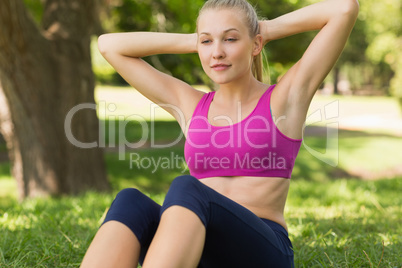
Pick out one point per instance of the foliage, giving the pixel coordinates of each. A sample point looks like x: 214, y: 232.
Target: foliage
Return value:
x: 36, y: 9
x: 163, y: 16
x: 289, y: 50
x: 383, y: 28
x: 371, y: 57
x: 180, y: 16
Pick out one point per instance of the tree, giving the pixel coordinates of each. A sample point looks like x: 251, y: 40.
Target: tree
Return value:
x: 45, y: 71
x: 384, y: 31
x: 162, y: 16
x: 180, y: 16
x: 353, y: 53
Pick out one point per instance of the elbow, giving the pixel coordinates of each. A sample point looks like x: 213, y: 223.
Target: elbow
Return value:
x: 350, y: 8
x: 103, y: 44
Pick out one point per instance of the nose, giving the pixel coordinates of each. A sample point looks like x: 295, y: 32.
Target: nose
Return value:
x: 218, y: 52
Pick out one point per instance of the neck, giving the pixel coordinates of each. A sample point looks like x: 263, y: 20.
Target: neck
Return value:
x: 239, y: 90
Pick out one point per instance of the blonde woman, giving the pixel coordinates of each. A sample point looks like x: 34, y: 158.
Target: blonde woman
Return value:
x: 241, y: 141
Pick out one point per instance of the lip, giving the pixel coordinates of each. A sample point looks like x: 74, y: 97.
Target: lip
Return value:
x: 220, y: 67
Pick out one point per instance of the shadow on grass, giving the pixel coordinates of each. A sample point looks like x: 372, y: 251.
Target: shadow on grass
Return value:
x: 140, y: 167
x: 150, y: 170
x: 115, y: 131
x: 356, y: 154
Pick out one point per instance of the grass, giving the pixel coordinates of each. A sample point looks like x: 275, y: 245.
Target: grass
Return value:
x: 346, y: 223
x: 49, y: 232
x: 336, y: 217
x: 335, y: 223
x: 359, y: 155
x: 332, y: 223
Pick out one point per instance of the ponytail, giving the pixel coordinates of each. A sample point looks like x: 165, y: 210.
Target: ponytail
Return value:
x: 258, y: 67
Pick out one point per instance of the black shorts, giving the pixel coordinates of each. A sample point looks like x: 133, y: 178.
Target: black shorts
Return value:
x: 235, y: 237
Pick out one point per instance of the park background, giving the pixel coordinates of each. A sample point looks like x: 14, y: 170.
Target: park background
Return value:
x: 344, y: 206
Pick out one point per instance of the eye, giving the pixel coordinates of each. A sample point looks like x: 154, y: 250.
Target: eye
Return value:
x: 231, y: 39
x: 205, y: 41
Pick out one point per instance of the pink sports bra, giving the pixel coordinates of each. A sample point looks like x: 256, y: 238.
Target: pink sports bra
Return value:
x: 252, y: 147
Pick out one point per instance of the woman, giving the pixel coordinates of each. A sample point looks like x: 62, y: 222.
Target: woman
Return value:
x: 241, y: 141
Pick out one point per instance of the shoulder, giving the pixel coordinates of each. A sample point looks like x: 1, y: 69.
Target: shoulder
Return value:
x: 188, y: 105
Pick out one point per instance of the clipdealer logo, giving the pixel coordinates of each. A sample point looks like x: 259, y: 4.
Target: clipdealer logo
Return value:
x: 328, y: 114
x: 147, y: 132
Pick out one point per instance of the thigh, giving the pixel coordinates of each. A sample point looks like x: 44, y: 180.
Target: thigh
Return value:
x: 236, y: 237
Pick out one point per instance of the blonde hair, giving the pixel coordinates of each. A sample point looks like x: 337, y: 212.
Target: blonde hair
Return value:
x: 252, y: 23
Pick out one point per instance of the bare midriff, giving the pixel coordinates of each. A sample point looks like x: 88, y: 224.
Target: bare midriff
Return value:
x: 265, y: 197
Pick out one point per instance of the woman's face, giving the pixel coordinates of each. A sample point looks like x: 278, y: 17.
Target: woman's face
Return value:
x: 225, y: 48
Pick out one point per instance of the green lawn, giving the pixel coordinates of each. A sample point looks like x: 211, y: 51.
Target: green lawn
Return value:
x: 338, y: 215
x: 333, y: 223
x: 346, y: 223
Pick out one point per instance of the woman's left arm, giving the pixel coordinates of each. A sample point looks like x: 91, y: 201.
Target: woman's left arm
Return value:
x: 335, y: 20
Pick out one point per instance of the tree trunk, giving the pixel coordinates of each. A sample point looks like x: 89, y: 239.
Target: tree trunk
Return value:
x: 45, y: 73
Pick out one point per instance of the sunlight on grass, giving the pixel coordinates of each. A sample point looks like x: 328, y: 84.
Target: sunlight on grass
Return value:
x: 126, y: 102
x: 331, y: 222
x: 49, y: 232
x: 358, y: 154
x: 371, y: 114
x: 17, y: 223
x: 8, y: 192
x: 8, y: 186
x: 336, y: 221
x: 371, y: 153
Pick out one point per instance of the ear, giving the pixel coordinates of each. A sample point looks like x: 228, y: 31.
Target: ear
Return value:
x: 258, y: 44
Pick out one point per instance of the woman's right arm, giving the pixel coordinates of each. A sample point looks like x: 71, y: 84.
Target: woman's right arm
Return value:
x: 124, y: 52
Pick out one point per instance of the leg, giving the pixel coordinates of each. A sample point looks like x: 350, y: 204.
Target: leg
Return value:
x: 126, y: 233
x: 179, y: 240
x: 115, y: 245
x: 238, y: 238
x: 234, y: 236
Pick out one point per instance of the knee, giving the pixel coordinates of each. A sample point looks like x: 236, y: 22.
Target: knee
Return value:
x: 129, y: 195
x: 186, y: 188
x: 131, y: 199
x: 185, y: 182
x: 186, y: 191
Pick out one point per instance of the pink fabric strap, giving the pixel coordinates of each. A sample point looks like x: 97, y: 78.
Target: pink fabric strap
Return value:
x: 252, y: 147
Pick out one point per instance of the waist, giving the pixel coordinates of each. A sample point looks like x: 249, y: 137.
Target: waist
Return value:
x: 264, y: 196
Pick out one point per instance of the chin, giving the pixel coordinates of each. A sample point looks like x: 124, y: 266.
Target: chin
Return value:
x: 221, y: 80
